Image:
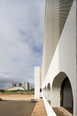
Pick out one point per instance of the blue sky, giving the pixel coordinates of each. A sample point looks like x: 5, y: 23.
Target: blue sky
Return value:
x: 21, y: 40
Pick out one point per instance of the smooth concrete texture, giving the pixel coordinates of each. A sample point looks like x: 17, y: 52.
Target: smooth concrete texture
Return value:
x: 37, y: 82
x: 56, y: 14
x: 49, y: 110
x: 64, y: 60
x: 56, y: 87
x: 59, y: 52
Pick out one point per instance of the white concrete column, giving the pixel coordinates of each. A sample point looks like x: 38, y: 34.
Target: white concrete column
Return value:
x: 37, y: 82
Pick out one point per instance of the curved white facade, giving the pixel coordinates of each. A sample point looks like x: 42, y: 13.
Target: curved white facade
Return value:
x: 60, y: 52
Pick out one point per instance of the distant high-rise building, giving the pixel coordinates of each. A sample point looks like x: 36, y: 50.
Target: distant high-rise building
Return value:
x: 19, y: 84
x: 26, y: 85
x: 13, y: 85
x: 30, y: 87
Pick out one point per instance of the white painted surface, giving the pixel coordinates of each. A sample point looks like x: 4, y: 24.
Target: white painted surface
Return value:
x: 37, y: 82
x: 49, y: 110
x: 16, y: 88
x: 64, y: 59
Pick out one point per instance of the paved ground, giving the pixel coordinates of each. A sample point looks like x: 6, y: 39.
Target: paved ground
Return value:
x: 60, y: 111
x: 16, y: 108
x: 19, y: 105
x: 16, y: 105
x: 39, y: 109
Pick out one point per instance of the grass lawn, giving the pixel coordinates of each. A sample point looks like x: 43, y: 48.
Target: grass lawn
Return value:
x: 16, y: 92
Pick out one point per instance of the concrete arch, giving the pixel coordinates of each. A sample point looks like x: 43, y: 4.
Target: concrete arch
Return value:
x: 56, y: 88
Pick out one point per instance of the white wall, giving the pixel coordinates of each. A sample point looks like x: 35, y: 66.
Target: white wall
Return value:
x: 64, y: 59
x: 37, y: 82
x: 49, y: 110
x: 67, y: 51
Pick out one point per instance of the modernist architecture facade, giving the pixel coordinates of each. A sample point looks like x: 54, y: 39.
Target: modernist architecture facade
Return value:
x: 58, y: 76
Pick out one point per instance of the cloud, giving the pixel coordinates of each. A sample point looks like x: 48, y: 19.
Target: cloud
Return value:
x: 21, y: 39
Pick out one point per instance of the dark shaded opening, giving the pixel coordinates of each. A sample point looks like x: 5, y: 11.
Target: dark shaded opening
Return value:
x: 66, y: 96
x: 40, y: 90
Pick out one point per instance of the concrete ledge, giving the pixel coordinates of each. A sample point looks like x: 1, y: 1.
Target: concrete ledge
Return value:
x: 49, y: 109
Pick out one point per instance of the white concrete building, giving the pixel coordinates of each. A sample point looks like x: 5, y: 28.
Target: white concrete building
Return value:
x: 59, y: 65
x: 16, y: 88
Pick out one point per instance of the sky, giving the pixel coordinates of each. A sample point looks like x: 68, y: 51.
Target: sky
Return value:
x: 21, y: 40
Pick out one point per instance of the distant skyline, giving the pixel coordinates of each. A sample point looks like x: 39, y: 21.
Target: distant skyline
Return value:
x: 21, y: 40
